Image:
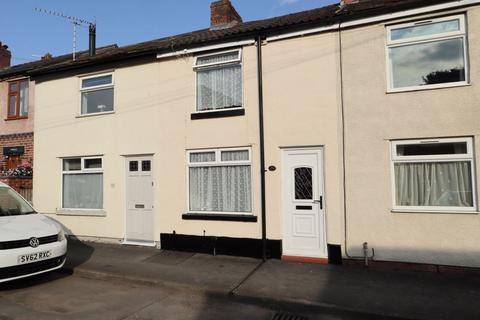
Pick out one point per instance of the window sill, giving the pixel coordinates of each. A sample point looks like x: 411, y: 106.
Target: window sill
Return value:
x: 474, y: 212
x: 430, y: 87
x: 15, y: 118
x: 79, y: 212
x: 94, y: 114
x: 224, y: 113
x: 220, y: 217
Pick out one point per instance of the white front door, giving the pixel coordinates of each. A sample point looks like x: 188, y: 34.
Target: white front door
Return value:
x: 303, y: 203
x: 139, y: 194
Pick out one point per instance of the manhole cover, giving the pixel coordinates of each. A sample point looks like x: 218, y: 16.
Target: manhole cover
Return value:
x: 287, y: 316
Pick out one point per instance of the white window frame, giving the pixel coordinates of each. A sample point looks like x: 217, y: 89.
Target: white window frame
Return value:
x: 218, y: 162
x: 238, y: 61
x: 462, y: 33
x: 95, y: 88
x: 82, y: 170
x: 469, y: 156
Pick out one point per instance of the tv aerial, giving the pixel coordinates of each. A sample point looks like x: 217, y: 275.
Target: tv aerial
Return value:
x: 76, y: 22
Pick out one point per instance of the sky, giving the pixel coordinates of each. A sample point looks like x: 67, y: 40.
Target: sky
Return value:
x: 30, y: 34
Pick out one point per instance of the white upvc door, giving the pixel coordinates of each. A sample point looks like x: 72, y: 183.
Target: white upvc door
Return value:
x: 139, y: 220
x: 303, y: 203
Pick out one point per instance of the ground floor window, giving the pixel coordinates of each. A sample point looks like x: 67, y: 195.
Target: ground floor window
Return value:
x: 83, y: 183
x: 434, y: 174
x: 220, y: 181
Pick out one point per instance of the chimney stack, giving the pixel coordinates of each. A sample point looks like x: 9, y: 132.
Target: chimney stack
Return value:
x: 223, y: 15
x: 92, y: 34
x: 347, y: 2
x: 47, y: 56
x: 5, y: 56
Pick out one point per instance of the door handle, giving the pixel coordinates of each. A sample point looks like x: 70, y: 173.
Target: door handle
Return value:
x: 319, y: 201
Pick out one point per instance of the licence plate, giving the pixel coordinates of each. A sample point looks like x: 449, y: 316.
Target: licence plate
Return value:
x: 33, y: 257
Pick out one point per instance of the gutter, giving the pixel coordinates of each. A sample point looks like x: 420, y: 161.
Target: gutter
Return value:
x: 206, y: 48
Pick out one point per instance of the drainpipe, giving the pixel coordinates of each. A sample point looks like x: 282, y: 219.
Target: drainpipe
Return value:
x: 365, y: 256
x: 262, y: 145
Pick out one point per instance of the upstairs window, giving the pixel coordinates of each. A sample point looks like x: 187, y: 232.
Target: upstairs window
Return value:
x: 219, y: 81
x: 427, y: 54
x: 18, y: 99
x: 96, y: 94
x: 434, y: 175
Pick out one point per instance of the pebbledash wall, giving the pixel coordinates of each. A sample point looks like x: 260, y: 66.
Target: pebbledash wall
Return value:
x: 373, y: 118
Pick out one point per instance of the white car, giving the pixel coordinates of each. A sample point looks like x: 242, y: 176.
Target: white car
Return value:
x: 30, y: 243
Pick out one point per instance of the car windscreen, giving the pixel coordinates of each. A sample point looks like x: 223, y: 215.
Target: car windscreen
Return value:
x: 12, y: 204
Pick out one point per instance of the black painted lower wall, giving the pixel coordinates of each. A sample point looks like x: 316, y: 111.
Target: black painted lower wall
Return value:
x: 334, y: 254
x: 242, y: 247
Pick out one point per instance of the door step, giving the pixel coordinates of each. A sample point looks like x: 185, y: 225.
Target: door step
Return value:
x: 139, y: 243
x: 305, y: 259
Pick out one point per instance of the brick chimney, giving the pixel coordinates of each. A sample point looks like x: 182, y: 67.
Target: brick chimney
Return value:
x: 47, y: 56
x: 347, y: 2
x: 223, y: 15
x: 5, y: 56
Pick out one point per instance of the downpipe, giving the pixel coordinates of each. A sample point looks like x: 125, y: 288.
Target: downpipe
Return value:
x: 365, y: 257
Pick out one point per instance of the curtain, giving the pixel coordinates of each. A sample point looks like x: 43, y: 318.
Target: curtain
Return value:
x: 241, y: 155
x: 83, y: 191
x: 219, y: 88
x: 220, y: 189
x: 446, y: 184
x: 202, y: 157
x: 23, y: 98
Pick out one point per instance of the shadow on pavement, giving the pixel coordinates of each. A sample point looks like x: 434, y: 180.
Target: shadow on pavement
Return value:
x: 78, y: 252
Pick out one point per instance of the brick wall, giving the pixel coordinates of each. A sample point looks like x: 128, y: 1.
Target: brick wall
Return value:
x: 14, y: 140
x: 22, y: 185
x: 5, y: 56
x: 18, y: 183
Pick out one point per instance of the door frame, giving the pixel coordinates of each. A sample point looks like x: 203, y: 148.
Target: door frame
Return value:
x: 125, y: 200
x: 285, y: 201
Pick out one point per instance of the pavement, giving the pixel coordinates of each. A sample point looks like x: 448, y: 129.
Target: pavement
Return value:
x: 356, y: 292
x: 62, y: 296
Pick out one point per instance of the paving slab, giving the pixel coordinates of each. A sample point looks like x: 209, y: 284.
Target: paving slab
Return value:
x: 395, y: 294
x: 201, y: 271
x: 409, y: 295
x: 58, y: 296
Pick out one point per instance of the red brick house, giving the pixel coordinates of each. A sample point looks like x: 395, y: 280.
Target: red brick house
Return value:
x: 16, y: 128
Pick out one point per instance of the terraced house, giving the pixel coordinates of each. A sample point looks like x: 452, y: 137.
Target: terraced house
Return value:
x: 344, y: 132
x: 16, y: 127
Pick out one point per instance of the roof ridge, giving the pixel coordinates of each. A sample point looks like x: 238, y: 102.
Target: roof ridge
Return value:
x: 317, y: 17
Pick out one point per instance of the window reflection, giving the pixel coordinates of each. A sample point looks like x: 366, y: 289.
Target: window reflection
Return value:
x: 428, y: 63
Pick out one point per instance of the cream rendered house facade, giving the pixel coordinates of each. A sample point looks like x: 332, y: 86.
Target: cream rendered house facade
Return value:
x: 165, y: 148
